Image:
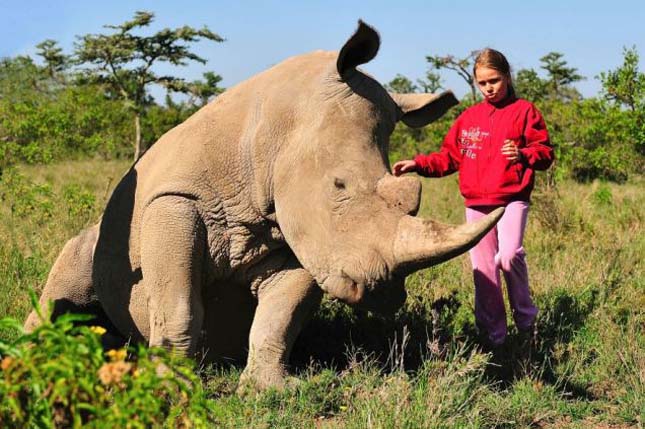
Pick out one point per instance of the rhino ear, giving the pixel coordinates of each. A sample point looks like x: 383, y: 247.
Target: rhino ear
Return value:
x: 419, y: 110
x: 359, y: 49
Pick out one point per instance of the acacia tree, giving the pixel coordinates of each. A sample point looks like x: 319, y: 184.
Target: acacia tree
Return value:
x: 529, y: 85
x: 463, y: 67
x: 431, y: 83
x: 560, y: 76
x: 401, y: 85
x: 55, y: 61
x: 625, y: 85
x: 202, y: 91
x: 124, y: 61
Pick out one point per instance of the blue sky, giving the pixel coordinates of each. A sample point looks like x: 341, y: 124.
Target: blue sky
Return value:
x: 591, y: 34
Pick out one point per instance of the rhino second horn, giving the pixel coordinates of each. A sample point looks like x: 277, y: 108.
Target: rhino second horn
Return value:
x: 421, y: 243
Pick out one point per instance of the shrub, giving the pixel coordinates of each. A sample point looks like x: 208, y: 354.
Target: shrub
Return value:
x: 59, y: 376
x: 80, y: 201
x: 26, y: 199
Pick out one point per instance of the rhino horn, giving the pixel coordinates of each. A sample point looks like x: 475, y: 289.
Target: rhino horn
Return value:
x: 359, y: 49
x: 420, y: 243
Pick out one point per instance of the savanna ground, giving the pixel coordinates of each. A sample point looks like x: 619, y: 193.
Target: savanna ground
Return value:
x: 422, y: 368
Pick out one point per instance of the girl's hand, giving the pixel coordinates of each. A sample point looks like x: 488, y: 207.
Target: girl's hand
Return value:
x: 511, y: 151
x: 405, y: 166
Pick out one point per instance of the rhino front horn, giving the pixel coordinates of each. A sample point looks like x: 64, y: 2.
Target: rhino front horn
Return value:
x: 420, y: 243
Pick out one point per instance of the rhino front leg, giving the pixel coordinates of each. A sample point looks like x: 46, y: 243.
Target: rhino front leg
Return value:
x: 173, y: 246
x: 283, y: 309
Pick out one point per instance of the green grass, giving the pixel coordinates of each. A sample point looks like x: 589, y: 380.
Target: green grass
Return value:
x: 422, y: 368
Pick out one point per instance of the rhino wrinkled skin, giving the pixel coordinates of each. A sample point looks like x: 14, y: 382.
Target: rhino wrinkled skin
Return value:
x: 223, y: 237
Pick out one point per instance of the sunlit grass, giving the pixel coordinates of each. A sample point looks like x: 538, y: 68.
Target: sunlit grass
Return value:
x: 422, y: 368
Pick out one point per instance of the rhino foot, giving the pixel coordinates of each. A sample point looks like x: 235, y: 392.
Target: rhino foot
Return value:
x: 260, y: 380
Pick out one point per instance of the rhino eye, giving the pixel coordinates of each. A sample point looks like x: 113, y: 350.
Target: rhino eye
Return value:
x: 339, y: 183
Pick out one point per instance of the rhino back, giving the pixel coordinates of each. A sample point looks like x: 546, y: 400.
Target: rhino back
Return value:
x: 222, y: 158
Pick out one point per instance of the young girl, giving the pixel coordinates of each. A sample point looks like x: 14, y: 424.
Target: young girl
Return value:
x: 496, y: 145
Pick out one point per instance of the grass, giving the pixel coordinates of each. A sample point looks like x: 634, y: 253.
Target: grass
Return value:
x: 422, y: 368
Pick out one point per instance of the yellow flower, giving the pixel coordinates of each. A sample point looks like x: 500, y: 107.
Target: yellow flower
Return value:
x: 112, y: 373
x: 6, y: 362
x: 117, y: 355
x: 100, y: 330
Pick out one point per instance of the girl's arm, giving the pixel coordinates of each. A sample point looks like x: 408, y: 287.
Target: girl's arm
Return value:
x: 538, y: 152
x: 444, y: 162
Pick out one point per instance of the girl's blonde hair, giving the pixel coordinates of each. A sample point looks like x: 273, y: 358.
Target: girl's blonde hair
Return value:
x: 494, y: 59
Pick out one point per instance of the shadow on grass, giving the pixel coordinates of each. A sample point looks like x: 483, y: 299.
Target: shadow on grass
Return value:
x: 419, y: 332
x: 562, y: 315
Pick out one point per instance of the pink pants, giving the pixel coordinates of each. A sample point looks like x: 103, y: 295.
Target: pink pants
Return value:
x: 501, y: 249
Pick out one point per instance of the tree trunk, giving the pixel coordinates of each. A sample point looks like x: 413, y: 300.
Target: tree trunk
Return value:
x: 138, y: 150
x: 473, y: 87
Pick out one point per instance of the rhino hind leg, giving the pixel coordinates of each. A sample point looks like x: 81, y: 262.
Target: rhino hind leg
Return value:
x: 173, y: 249
x: 69, y: 285
x: 282, y: 311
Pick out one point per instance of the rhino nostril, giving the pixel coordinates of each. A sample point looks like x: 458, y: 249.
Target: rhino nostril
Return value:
x: 339, y: 183
x: 342, y: 287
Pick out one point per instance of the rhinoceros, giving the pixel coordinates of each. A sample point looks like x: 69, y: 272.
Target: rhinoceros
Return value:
x: 224, y: 235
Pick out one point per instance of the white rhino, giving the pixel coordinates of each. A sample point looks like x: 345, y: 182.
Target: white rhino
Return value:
x: 240, y: 218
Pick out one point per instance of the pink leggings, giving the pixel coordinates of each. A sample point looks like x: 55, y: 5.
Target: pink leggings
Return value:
x: 501, y: 249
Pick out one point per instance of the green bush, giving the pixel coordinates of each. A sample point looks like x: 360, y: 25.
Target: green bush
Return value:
x: 595, y: 140
x: 26, y: 199
x: 74, y: 121
x: 159, y: 119
x: 80, y: 201
x: 59, y: 376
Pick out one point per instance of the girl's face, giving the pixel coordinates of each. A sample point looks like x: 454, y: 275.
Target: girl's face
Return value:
x: 492, y: 83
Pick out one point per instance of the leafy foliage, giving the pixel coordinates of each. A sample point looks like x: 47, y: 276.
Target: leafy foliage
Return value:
x: 55, y: 61
x: 560, y: 77
x: 527, y: 84
x: 594, y: 138
x: 203, y: 91
x: 42, y: 120
x: 625, y: 86
x: 124, y: 61
x: 401, y: 84
x: 461, y: 66
x: 59, y: 376
x: 26, y: 199
x: 51, y: 112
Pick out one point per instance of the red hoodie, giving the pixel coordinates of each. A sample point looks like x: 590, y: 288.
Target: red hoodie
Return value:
x: 473, y: 146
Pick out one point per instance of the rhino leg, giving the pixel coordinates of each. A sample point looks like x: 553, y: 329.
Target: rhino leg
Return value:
x: 69, y: 284
x: 283, y: 309
x: 173, y: 246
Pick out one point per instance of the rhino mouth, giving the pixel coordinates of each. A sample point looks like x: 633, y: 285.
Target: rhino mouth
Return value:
x: 384, y: 297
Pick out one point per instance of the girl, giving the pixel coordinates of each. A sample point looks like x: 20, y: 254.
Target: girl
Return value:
x: 496, y: 145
